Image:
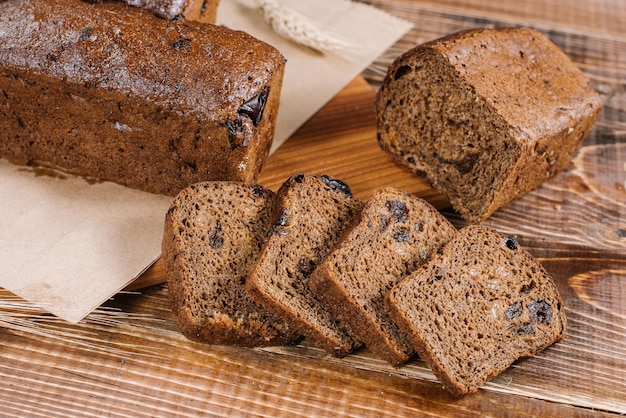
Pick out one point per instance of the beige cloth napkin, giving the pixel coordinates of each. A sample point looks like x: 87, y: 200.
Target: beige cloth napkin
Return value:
x: 68, y: 245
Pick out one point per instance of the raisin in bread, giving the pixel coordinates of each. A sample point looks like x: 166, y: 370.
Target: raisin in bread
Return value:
x: 114, y: 92
x: 394, y: 234
x: 474, y: 309
x: 310, y: 213
x: 486, y: 115
x: 212, y: 238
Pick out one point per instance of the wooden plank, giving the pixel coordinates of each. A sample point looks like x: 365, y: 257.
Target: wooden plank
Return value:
x: 129, y: 359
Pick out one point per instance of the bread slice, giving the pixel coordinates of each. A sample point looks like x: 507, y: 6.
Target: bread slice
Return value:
x: 474, y: 309
x: 395, y: 233
x: 310, y: 212
x: 486, y: 115
x: 212, y: 238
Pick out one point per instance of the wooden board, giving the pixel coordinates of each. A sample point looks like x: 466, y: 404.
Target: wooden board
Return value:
x: 128, y: 358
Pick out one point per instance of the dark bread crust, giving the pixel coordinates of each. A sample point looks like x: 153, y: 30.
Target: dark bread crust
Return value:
x: 205, y: 11
x: 212, y: 237
x: 394, y: 234
x: 485, y: 115
x: 116, y: 93
x: 476, y: 307
x: 310, y: 213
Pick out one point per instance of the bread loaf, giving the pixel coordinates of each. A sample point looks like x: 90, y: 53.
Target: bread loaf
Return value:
x: 394, y: 234
x: 309, y: 215
x: 474, y: 309
x: 486, y: 115
x: 116, y: 93
x: 212, y: 237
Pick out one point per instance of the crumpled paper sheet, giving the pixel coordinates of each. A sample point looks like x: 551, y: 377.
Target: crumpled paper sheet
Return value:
x: 68, y: 244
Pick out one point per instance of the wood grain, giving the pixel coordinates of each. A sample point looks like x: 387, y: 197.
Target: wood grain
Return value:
x: 128, y: 359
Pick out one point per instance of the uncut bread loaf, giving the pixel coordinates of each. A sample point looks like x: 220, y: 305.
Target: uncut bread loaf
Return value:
x: 116, y: 93
x: 394, y: 234
x: 485, y: 115
x: 310, y: 213
x: 200, y: 10
x: 212, y: 237
x: 474, y: 309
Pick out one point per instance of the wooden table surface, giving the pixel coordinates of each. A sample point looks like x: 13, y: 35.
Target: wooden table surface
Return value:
x: 128, y: 358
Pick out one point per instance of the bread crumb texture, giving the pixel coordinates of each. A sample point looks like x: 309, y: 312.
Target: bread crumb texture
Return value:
x: 486, y: 115
x: 476, y: 307
x: 395, y: 233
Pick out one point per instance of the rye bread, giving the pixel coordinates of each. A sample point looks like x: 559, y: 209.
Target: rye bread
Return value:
x: 394, y: 234
x: 212, y: 238
x: 476, y: 307
x: 486, y: 115
x: 310, y: 212
x: 149, y: 103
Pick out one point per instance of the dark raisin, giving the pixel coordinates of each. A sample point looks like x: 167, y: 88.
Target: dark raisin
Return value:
x: 182, y: 44
x: 216, y: 240
x: 254, y: 107
x: 384, y: 222
x: 336, y: 185
x: 510, y: 243
x: 399, y: 211
x: 235, y: 132
x: 402, y: 71
x: 526, y: 329
x: 258, y: 191
x: 514, y: 311
x: 192, y: 165
x: 306, y: 266
x: 298, y: 178
x: 401, y: 234
x: 176, y: 17
x: 540, y: 311
x: 464, y: 165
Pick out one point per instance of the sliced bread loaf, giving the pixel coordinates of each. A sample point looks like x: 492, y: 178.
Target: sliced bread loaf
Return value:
x: 310, y: 213
x: 394, y: 234
x: 476, y: 307
x: 486, y: 115
x: 213, y: 234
